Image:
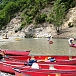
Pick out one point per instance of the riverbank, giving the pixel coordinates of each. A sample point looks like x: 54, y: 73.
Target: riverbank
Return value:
x: 67, y: 33
x: 42, y: 30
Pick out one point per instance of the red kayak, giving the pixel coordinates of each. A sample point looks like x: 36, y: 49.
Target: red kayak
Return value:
x: 43, y: 74
x: 15, y: 61
x: 50, y: 42
x: 16, y: 52
x: 44, y: 59
x: 73, y: 45
x: 60, y: 70
x: 6, y: 65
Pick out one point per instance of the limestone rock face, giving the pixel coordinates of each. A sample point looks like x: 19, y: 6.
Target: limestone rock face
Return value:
x: 43, y: 30
x: 71, y: 16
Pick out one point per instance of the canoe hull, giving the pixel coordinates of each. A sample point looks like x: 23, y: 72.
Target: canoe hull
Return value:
x: 14, y: 61
x: 50, y: 42
x: 42, y: 74
x: 17, y: 53
x: 7, y: 66
x: 73, y: 45
x: 46, y: 72
x: 43, y: 59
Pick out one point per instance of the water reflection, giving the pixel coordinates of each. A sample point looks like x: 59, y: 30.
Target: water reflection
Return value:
x: 41, y: 46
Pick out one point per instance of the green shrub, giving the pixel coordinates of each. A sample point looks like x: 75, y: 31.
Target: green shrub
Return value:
x: 22, y: 26
x: 29, y: 19
x: 40, y: 18
x: 73, y: 4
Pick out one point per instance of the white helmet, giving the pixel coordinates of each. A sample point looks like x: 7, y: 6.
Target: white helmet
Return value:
x: 71, y: 39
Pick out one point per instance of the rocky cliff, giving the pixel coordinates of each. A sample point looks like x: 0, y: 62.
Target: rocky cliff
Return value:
x: 45, y: 29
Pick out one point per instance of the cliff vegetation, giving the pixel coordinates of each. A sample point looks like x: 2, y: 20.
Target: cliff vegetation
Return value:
x: 34, y: 14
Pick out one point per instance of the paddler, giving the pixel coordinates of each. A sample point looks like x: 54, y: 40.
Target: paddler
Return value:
x: 71, y: 40
x: 2, y: 54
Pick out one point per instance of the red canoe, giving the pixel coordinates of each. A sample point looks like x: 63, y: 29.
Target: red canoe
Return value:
x: 16, y: 52
x: 14, y: 61
x: 6, y: 66
x: 50, y: 42
x: 44, y: 59
x: 60, y: 70
x: 73, y: 45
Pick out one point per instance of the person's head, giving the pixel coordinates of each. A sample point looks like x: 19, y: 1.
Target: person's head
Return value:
x: 2, y: 52
x: 71, y: 40
x: 32, y: 58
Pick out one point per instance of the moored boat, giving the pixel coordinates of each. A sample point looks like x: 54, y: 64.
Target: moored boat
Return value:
x: 43, y: 74
x: 16, y: 52
x: 73, y: 45
x: 18, y: 39
x: 10, y: 63
x: 7, y: 67
x: 5, y: 38
x: 44, y: 59
x: 60, y: 70
x: 7, y: 64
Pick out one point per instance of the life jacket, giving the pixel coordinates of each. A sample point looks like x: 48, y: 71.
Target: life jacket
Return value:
x: 52, y: 59
x: 31, y: 62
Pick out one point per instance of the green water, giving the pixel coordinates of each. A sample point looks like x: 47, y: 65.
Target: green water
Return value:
x: 41, y: 46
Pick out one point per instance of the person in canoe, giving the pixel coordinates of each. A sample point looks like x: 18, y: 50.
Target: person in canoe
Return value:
x: 50, y: 39
x: 51, y: 59
x: 2, y: 54
x: 31, y: 61
x: 71, y: 40
x: 5, y: 36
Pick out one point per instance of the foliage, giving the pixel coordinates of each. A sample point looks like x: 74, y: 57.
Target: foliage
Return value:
x: 29, y: 19
x: 31, y: 10
x: 40, y: 18
x: 10, y: 8
x: 57, y: 15
x: 22, y: 26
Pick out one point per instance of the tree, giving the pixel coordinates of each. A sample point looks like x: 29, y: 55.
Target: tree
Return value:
x: 57, y: 15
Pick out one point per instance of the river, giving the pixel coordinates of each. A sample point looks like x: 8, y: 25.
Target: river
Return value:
x: 40, y: 46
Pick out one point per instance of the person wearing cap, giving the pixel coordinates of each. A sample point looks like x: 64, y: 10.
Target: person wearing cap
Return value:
x: 31, y: 61
x: 71, y: 40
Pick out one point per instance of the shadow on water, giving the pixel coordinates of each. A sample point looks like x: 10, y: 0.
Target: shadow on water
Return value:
x: 41, y: 46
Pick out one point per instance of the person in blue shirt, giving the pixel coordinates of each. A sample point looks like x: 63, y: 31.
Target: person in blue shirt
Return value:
x: 51, y: 59
x: 31, y: 61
